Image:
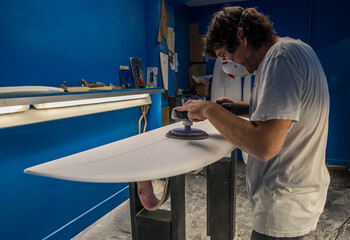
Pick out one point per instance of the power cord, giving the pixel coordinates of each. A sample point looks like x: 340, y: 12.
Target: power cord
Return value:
x: 144, y: 110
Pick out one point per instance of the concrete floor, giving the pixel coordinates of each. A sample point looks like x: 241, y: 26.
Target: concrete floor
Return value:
x: 334, y: 223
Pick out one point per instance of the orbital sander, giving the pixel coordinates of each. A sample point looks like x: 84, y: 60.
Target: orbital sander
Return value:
x: 189, y: 133
x: 186, y: 132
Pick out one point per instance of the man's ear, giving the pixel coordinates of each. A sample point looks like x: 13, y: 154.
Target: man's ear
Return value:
x: 241, y: 38
x: 240, y: 33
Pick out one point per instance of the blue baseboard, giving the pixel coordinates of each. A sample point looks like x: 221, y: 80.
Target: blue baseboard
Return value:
x: 338, y: 162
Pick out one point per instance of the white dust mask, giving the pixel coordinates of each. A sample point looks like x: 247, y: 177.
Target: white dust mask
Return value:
x: 234, y: 69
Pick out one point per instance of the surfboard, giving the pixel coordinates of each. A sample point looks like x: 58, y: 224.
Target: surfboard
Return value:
x: 147, y: 156
x: 223, y: 85
x: 30, y: 89
x: 238, y: 89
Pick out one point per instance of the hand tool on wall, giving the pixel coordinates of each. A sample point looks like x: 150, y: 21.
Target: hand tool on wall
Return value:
x: 85, y: 88
x: 137, y: 72
x: 126, y: 79
x: 92, y: 85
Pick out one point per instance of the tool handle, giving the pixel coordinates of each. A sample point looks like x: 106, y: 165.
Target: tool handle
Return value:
x: 141, y: 82
x: 236, y: 108
x: 177, y: 115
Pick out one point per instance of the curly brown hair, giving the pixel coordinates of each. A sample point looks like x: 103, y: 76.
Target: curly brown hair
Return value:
x: 222, y: 31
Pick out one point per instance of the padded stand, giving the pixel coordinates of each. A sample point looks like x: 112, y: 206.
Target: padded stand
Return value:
x: 170, y: 225
x: 221, y: 198
x: 160, y: 224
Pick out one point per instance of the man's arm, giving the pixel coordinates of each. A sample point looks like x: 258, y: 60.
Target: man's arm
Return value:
x: 262, y: 139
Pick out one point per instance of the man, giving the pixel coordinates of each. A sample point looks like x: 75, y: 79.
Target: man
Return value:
x: 287, y: 180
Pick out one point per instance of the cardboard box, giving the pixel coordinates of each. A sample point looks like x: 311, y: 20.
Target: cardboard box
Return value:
x: 203, y: 90
x: 196, y: 44
x: 165, y: 116
x: 197, y: 70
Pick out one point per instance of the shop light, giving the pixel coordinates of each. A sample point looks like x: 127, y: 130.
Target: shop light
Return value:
x: 14, y: 109
x: 88, y: 101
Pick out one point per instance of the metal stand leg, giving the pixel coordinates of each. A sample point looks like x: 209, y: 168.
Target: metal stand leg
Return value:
x: 135, y: 207
x: 177, y: 188
x: 221, y: 198
x: 159, y: 224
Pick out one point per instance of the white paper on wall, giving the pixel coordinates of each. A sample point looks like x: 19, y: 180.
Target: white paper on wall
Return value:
x: 176, y: 62
x: 152, y: 76
x: 164, y: 63
x: 171, y: 47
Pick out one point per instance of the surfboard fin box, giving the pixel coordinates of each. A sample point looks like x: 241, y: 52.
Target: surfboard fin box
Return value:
x: 186, y: 133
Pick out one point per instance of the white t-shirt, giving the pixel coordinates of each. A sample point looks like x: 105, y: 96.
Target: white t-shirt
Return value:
x: 288, y: 193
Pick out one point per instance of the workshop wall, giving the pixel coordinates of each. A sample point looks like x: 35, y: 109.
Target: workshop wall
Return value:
x: 48, y: 42
x: 45, y: 43
x: 182, y: 44
x: 316, y: 22
x: 330, y: 37
x: 280, y: 12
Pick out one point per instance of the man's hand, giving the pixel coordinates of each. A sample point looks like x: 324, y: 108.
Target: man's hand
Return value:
x: 229, y: 100
x: 196, y: 109
x: 224, y: 99
x: 262, y: 139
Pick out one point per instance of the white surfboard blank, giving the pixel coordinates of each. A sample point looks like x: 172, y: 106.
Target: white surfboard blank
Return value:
x: 143, y: 157
x: 225, y: 86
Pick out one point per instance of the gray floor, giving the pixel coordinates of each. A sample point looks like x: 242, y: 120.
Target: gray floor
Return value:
x: 334, y: 223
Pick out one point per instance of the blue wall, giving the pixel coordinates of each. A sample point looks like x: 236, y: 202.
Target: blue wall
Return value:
x: 320, y: 23
x: 280, y: 12
x: 182, y: 44
x: 46, y: 42
x: 330, y: 36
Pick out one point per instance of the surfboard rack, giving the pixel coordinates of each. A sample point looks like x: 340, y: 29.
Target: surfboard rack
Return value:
x: 221, y: 198
x: 160, y: 224
x: 170, y: 225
